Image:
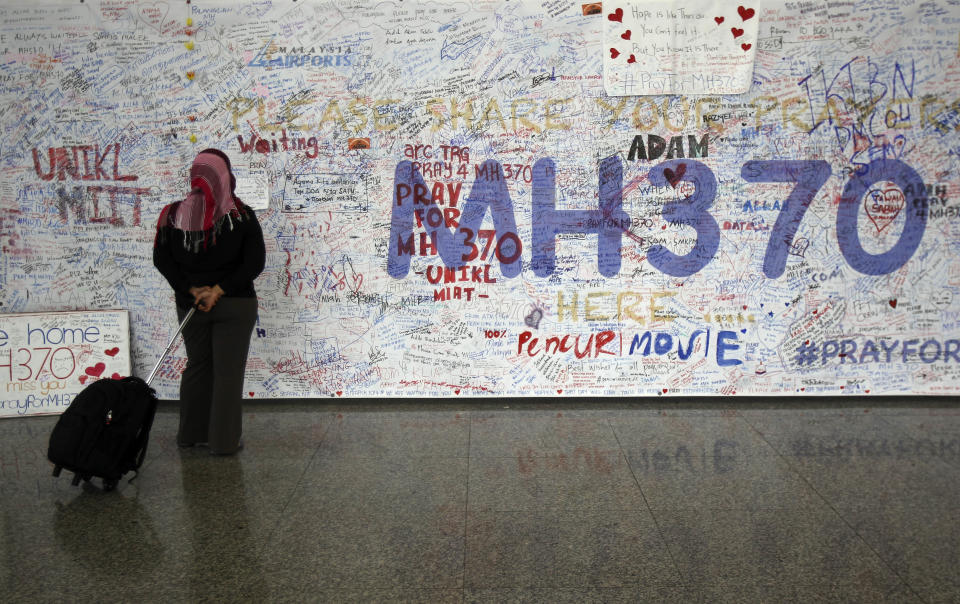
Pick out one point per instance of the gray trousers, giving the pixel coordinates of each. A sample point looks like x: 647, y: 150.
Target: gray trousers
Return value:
x: 211, y: 388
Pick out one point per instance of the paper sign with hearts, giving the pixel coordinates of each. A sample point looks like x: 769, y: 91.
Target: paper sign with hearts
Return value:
x: 883, y: 206
x: 58, y: 355
x: 658, y: 47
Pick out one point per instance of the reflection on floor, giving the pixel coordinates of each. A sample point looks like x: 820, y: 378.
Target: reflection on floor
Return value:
x: 711, y: 500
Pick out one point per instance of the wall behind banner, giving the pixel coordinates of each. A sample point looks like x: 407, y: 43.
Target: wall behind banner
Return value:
x: 456, y: 207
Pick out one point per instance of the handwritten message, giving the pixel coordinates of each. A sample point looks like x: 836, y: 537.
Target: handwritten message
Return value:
x: 316, y: 192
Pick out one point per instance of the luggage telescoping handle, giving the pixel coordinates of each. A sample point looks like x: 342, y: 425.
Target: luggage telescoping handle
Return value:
x: 163, y: 357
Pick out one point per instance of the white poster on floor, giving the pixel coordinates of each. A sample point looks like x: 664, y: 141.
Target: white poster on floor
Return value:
x: 46, y: 359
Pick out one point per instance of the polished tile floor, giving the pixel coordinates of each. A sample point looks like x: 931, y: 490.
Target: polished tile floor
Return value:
x: 712, y: 500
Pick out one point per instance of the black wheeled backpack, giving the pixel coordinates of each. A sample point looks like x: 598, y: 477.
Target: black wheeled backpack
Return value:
x: 104, y: 431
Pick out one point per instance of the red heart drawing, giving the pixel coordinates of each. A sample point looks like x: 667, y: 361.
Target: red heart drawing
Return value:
x: 112, y: 352
x: 616, y: 15
x: 893, y: 303
x: 746, y: 47
x: 357, y: 282
x: 457, y: 391
x: 339, y: 392
x: 116, y: 376
x: 83, y: 379
x: 745, y: 13
x: 664, y: 390
x: 614, y: 53
x: 674, y: 177
x: 96, y: 370
x: 625, y: 35
x: 251, y: 394
x: 736, y: 31
x: 884, y: 206
x: 560, y: 391
x: 719, y: 20
x: 154, y: 15
x: 632, y: 59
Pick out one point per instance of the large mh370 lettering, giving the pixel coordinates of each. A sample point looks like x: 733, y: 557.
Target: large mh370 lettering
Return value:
x: 413, y: 202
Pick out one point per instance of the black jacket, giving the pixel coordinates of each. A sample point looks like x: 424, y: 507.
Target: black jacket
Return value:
x: 232, y: 258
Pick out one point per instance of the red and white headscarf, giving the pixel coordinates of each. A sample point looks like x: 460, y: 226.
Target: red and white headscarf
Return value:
x: 209, y: 204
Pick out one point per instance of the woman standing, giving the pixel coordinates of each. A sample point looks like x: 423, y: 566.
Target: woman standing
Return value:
x: 210, y: 248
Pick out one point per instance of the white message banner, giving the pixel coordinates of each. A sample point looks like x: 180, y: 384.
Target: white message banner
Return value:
x: 504, y: 199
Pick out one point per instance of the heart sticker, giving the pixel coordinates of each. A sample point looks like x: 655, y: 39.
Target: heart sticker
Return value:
x: 719, y: 20
x: 96, y: 370
x: 893, y: 303
x: 745, y: 13
x: 112, y: 352
x: 632, y: 59
x: 736, y: 31
x: 614, y: 53
x: 616, y: 15
x: 746, y: 47
x: 626, y: 35
x: 883, y: 206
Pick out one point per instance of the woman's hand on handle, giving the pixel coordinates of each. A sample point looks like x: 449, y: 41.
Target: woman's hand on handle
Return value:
x: 197, y: 293
x: 210, y: 298
x: 205, y: 298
